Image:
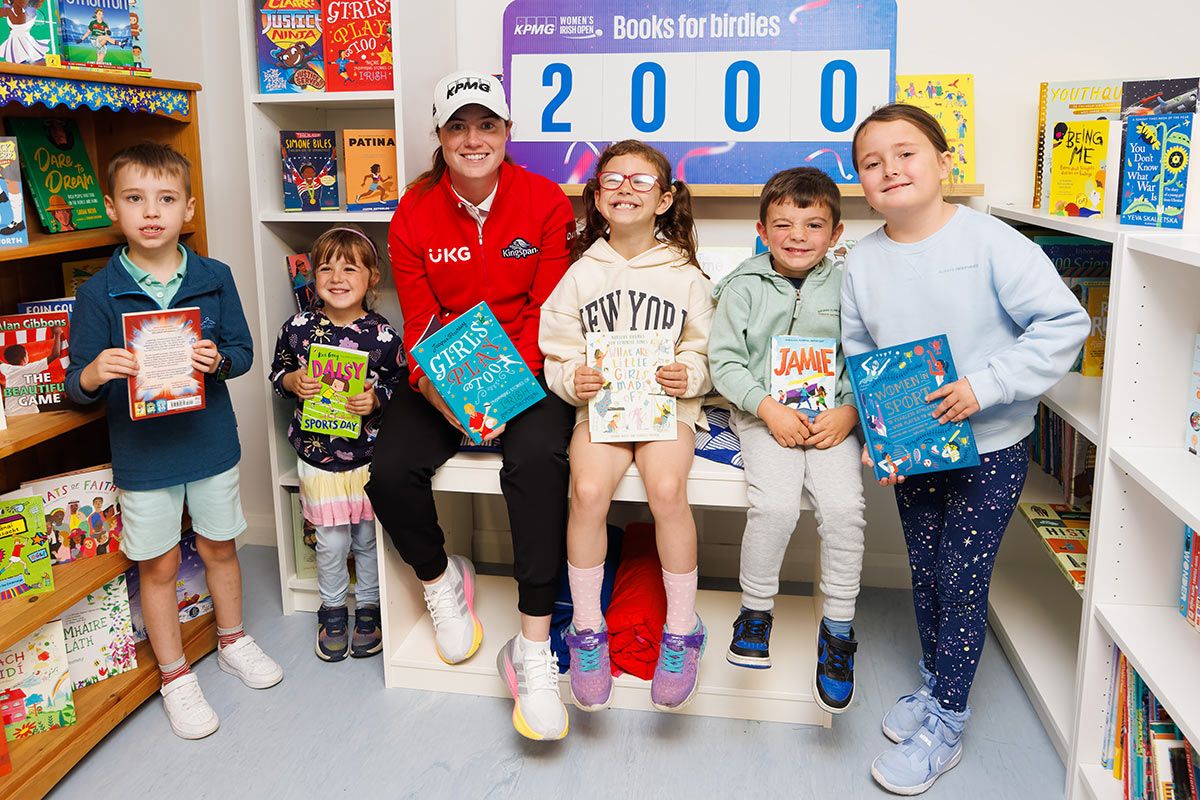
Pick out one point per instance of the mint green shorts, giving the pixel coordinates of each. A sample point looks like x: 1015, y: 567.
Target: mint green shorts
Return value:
x: 151, y: 520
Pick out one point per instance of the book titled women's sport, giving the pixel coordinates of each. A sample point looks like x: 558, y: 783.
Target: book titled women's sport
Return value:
x: 477, y: 370
x: 903, y: 437
x: 162, y: 343
x: 343, y: 374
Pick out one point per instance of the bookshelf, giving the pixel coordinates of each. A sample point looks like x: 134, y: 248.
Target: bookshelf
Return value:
x: 112, y: 111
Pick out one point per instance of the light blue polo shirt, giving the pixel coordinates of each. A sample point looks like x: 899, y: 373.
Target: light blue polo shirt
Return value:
x: 159, y: 292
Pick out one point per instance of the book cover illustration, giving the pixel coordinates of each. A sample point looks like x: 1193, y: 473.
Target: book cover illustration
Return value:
x: 804, y: 373
x: 60, y: 174
x: 1062, y: 101
x: 950, y: 99
x: 1063, y: 530
x: 162, y: 342
x: 1154, y: 176
x: 1096, y: 303
x: 191, y: 588
x: 76, y: 273
x: 24, y: 549
x: 358, y: 45
x: 290, y: 53
x: 902, y: 436
x: 477, y: 370
x: 342, y: 374
x: 96, y: 34
x: 631, y: 406
x: 140, y: 66
x: 1078, y: 164
x: 309, y: 170
x: 57, y: 305
x: 1192, y: 429
x: 82, y: 512
x: 35, y: 684
x: 370, y: 169
x: 13, y: 232
x: 33, y: 362
x: 29, y: 33
x: 99, y: 635
x: 300, y: 274
x: 1076, y: 256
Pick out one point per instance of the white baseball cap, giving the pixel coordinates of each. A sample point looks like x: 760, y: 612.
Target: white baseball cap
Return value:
x: 463, y: 88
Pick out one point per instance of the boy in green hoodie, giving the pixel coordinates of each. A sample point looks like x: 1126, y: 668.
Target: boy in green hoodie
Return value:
x: 793, y: 289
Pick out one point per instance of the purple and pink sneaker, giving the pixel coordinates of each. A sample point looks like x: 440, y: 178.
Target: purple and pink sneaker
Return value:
x: 678, y: 671
x: 591, y: 672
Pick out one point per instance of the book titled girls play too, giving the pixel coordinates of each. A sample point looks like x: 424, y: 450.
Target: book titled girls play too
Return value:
x: 903, y: 437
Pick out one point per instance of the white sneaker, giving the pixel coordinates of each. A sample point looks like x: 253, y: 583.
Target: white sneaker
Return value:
x: 532, y: 679
x: 246, y: 659
x: 451, y: 602
x: 190, y: 715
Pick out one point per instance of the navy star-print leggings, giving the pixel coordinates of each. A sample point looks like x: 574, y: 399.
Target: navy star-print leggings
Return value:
x: 953, y: 522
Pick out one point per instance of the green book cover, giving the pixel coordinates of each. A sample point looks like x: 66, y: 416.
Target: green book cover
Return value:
x: 24, y: 549
x: 60, y: 174
x: 342, y: 374
x: 29, y: 33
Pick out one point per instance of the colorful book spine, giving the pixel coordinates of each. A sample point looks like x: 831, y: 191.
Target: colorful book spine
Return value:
x: 309, y: 170
x: 358, y: 45
x: 342, y: 374
x: 1191, y: 435
x: 1093, y: 346
x: 950, y: 99
x: 1186, y: 581
x: 1155, y: 185
x: 60, y: 305
x: 290, y: 53
x: 300, y: 274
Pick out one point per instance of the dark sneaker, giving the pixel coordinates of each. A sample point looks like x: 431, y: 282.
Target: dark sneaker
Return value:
x: 332, y: 636
x: 368, y: 635
x: 751, y: 642
x: 833, y: 683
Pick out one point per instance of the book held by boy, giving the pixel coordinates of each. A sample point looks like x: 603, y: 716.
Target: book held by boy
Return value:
x: 82, y: 511
x: 309, y: 170
x: 477, y: 370
x: 290, y: 54
x: 33, y: 362
x: 903, y: 437
x: 371, y: 183
x: 358, y: 45
x: 99, y: 635
x: 24, y: 553
x: 342, y: 374
x: 35, y: 684
x: 162, y: 343
x: 631, y: 405
x: 804, y: 373
x: 59, y: 173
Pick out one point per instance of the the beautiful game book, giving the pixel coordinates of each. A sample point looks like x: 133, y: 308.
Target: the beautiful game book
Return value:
x: 59, y: 174
x: 309, y: 170
x: 342, y: 373
x: 290, y: 53
x: 162, y: 342
x: 631, y: 406
x: 35, y: 684
x: 804, y: 373
x: 82, y: 510
x: 477, y: 370
x: 903, y: 437
x: 33, y: 362
x: 24, y: 552
x: 358, y: 45
x: 99, y: 635
x: 371, y: 183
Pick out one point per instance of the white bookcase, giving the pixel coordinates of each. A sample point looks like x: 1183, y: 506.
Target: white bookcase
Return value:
x: 1145, y: 492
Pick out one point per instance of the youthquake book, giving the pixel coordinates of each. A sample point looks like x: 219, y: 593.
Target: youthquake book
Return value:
x: 33, y: 362
x: 309, y: 170
x: 358, y: 45
x: 631, y: 406
x: 59, y: 173
x: 903, y: 438
x: 290, y: 54
x: 82, y: 512
x: 804, y: 373
x: 370, y: 169
x: 950, y: 99
x: 162, y: 343
x: 1064, y: 101
x: 99, y: 635
x: 477, y: 370
x: 35, y: 684
x: 24, y: 554
x: 342, y: 374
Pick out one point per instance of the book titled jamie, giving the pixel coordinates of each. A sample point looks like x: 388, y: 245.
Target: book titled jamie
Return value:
x: 477, y: 370
x: 903, y: 438
x: 804, y: 373
x: 631, y: 405
x: 162, y: 342
x: 342, y: 374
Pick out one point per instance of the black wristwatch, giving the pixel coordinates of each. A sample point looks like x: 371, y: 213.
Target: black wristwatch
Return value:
x: 223, y: 368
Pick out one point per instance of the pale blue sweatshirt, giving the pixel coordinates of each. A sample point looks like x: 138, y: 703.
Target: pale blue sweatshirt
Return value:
x: 1014, y: 326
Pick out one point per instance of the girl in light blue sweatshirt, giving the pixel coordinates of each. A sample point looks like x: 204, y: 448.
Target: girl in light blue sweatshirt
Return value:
x: 1015, y: 330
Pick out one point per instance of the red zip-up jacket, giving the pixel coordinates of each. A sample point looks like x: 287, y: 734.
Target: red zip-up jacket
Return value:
x: 443, y: 265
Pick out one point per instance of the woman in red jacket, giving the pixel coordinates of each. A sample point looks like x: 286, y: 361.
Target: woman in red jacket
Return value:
x: 479, y: 227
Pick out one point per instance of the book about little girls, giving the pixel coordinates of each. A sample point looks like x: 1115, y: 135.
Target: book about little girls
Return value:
x: 358, y: 45
x: 162, y: 343
x: 309, y: 170
x: 290, y: 53
x: 631, y: 405
x: 25, y: 563
x: 35, y: 684
x: 804, y: 373
x: 343, y: 374
x: 903, y: 437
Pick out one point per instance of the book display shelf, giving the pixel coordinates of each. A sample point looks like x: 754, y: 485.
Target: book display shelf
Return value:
x: 1145, y: 493
x: 112, y: 112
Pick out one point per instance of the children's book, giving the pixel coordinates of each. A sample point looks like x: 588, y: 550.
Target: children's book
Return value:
x: 96, y: 35
x: 1154, y: 175
x: 903, y: 438
x: 631, y: 405
x: 309, y: 170
x: 99, y: 635
x: 33, y: 362
x: 35, y: 684
x: 300, y: 274
x: 57, y: 305
x: 162, y: 343
x: 82, y: 512
x: 1096, y: 303
x: 1185, y: 580
x: 191, y: 589
x: 371, y: 183
x: 950, y: 99
x: 59, y: 173
x: 804, y: 373
x: 1078, y: 164
x: 1192, y: 429
x: 304, y: 541
x: 342, y: 373
x: 290, y: 53
x: 140, y: 66
x: 358, y: 45
x: 76, y: 273
x: 30, y: 33
x: 1076, y: 256
x: 24, y: 549
x: 1063, y: 530
x: 477, y: 370
x: 1064, y: 101
x: 13, y: 231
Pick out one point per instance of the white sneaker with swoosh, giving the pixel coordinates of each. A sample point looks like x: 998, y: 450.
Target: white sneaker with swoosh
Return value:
x: 912, y: 766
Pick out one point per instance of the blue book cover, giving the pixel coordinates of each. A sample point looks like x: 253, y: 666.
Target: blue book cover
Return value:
x: 903, y: 438
x: 309, y: 170
x: 1076, y: 256
x: 60, y: 304
x: 290, y: 51
x: 1154, y: 170
x: 96, y: 33
x: 13, y: 232
x: 477, y: 370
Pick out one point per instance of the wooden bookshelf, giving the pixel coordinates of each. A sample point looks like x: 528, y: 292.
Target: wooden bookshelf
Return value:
x: 48, y: 244
x: 23, y: 615
x: 26, y: 430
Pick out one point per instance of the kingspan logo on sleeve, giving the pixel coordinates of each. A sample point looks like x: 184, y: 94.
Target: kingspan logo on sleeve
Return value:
x: 519, y: 248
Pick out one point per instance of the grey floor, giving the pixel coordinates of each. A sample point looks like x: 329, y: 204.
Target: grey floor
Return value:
x: 334, y: 730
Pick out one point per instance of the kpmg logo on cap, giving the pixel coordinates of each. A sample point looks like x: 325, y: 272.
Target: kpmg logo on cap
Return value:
x: 463, y: 84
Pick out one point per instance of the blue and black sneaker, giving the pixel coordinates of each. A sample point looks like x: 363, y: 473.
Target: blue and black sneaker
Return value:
x: 751, y: 640
x: 833, y: 684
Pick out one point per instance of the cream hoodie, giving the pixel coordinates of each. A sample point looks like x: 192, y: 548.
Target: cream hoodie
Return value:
x: 657, y: 290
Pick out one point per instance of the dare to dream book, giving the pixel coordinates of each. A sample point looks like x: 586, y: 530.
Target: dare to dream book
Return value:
x: 804, y: 373
x: 59, y: 174
x: 631, y: 406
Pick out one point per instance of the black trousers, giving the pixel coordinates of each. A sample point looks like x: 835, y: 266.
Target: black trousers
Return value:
x: 415, y: 440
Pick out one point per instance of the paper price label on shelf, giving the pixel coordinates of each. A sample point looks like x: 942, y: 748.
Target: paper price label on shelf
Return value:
x: 730, y: 91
